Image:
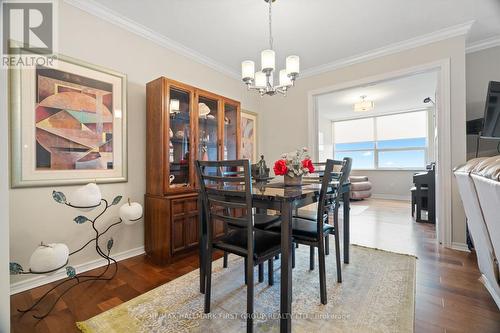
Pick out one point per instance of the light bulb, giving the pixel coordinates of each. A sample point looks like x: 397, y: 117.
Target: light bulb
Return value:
x: 293, y: 65
x: 267, y: 59
x: 285, y: 81
x: 260, y: 79
x: 247, y: 70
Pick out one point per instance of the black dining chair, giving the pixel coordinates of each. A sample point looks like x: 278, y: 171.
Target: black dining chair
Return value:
x: 234, y: 195
x: 261, y: 221
x: 310, y: 214
x: 314, y: 233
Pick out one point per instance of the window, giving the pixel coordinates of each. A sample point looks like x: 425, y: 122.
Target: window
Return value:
x: 397, y: 141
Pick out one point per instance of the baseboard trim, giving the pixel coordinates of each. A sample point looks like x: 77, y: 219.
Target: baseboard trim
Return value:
x: 493, y: 292
x: 37, y: 281
x: 460, y: 247
x: 391, y: 197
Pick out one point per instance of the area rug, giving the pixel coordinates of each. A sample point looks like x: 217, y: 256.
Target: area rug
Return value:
x: 377, y: 295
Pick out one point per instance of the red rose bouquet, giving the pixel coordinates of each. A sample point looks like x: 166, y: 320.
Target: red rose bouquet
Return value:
x: 294, y: 164
x: 280, y: 168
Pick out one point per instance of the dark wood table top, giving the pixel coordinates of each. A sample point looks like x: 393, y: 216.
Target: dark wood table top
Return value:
x: 278, y: 190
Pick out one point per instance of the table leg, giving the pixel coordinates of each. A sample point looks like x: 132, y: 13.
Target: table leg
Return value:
x: 201, y: 244
x: 286, y: 268
x: 418, y: 194
x: 346, y: 229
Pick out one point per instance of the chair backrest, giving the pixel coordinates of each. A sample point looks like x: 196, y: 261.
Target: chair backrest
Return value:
x: 331, y: 186
x: 226, y: 190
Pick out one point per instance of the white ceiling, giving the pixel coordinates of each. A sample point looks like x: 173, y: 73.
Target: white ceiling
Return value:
x: 321, y: 31
x: 395, y: 95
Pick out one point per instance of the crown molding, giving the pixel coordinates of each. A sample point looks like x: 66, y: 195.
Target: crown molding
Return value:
x: 433, y: 37
x: 100, y: 11
x: 96, y: 9
x: 483, y: 44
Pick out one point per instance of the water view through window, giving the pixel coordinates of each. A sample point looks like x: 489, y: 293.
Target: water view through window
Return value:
x: 386, y: 142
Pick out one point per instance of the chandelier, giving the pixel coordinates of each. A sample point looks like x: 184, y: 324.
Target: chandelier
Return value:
x: 364, y: 105
x: 263, y: 80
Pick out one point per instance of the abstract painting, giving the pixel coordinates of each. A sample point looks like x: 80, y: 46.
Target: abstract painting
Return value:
x: 249, y: 136
x: 74, y: 121
x: 69, y: 126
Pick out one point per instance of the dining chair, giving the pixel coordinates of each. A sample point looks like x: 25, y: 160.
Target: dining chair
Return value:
x: 314, y: 233
x: 261, y: 221
x: 234, y: 195
x: 310, y: 214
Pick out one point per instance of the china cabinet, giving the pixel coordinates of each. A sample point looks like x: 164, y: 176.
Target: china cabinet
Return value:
x: 184, y: 124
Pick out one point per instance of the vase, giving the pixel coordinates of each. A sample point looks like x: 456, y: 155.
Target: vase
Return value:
x: 293, y: 181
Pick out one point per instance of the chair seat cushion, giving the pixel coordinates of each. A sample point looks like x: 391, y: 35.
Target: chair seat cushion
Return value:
x: 309, y: 215
x: 265, y: 243
x: 304, y: 229
x: 261, y: 221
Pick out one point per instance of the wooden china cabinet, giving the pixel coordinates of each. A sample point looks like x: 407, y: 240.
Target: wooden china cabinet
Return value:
x: 184, y: 124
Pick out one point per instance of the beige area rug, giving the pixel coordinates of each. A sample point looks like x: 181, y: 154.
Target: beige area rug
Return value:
x: 377, y: 295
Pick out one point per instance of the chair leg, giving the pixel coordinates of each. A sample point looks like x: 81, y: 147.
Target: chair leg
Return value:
x: 261, y: 272
x: 296, y: 245
x: 208, y: 277
x: 322, y: 271
x: 293, y: 256
x: 418, y: 200
x: 245, y: 263
x: 270, y: 272
x: 327, y: 245
x: 224, y: 262
x: 249, y: 275
x: 311, y: 258
x: 337, y: 255
x: 412, y: 204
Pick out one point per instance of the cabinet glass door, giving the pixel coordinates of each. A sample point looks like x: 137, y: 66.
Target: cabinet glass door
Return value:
x: 208, y: 118
x: 230, y: 151
x: 179, y: 133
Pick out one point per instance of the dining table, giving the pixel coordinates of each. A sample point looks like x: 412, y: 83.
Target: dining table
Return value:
x: 284, y: 199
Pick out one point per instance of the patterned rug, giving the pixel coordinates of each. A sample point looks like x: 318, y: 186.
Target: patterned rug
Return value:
x: 377, y: 295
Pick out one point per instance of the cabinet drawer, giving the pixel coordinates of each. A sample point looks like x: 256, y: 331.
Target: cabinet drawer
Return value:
x: 184, y: 206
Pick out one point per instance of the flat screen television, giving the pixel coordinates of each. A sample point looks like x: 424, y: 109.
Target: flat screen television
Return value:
x: 491, y: 127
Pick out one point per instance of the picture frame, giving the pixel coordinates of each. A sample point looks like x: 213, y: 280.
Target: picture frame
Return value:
x: 249, y: 130
x: 68, y: 124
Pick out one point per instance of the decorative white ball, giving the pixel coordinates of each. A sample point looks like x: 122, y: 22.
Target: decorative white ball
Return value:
x: 48, y: 257
x: 86, y: 196
x: 130, y: 213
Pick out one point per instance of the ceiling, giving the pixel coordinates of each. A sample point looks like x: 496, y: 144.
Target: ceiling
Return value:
x: 395, y: 95
x: 321, y: 31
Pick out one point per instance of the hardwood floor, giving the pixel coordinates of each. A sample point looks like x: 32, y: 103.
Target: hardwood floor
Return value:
x: 449, y: 297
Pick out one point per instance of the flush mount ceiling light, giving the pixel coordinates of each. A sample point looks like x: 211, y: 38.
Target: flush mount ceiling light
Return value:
x: 364, y: 105
x: 263, y: 81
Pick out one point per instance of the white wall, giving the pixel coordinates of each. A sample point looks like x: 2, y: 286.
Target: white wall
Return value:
x: 389, y: 184
x: 325, y: 128
x: 4, y: 207
x: 288, y: 118
x: 35, y: 216
x: 482, y: 67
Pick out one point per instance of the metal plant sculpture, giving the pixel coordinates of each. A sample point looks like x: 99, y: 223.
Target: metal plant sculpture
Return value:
x: 73, y: 279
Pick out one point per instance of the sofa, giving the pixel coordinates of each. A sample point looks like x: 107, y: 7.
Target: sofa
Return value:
x: 479, y: 186
x: 361, y: 187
